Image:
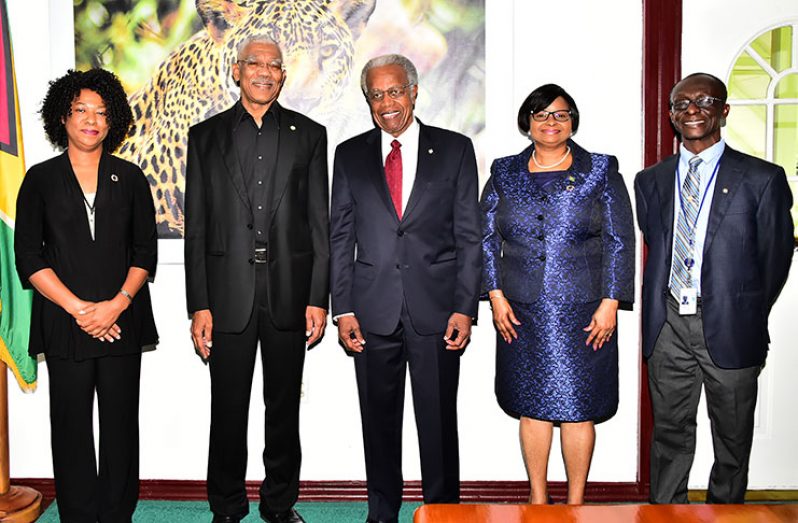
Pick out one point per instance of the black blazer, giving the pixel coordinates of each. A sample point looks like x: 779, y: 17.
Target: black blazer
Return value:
x: 431, y: 258
x: 220, y: 238
x: 747, y: 254
x: 52, y: 231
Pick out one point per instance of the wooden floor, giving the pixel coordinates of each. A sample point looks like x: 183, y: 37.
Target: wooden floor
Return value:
x: 606, y: 513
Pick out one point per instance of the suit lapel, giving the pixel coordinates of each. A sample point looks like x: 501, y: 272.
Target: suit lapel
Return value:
x: 375, y: 170
x: 287, y: 137
x: 664, y: 178
x: 224, y: 137
x: 730, y: 174
x: 424, y: 168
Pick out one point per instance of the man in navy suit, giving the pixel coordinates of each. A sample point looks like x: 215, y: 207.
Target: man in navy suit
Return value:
x: 720, y: 244
x: 405, y: 278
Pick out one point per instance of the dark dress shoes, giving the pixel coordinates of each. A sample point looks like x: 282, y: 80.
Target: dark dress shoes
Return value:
x: 369, y: 520
x: 289, y: 516
x: 225, y: 519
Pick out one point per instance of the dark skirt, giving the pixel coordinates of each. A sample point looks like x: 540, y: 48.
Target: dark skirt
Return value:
x: 548, y: 373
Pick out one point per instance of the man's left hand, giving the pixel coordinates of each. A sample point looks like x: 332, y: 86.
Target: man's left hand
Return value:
x: 315, y: 322
x: 462, y: 325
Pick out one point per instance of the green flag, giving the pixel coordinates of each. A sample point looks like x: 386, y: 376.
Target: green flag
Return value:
x: 15, y: 302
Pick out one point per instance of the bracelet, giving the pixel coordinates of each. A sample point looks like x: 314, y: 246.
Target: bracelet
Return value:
x: 126, y: 294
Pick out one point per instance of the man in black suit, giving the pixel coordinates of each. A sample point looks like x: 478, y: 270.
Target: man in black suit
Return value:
x: 405, y: 200
x: 720, y: 244
x: 257, y: 270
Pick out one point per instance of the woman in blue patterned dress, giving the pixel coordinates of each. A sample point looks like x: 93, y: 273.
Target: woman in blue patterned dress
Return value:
x: 558, y: 246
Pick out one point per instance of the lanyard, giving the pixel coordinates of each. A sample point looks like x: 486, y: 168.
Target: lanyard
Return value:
x: 703, y: 198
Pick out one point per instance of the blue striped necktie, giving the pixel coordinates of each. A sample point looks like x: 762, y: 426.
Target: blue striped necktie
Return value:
x: 684, y: 240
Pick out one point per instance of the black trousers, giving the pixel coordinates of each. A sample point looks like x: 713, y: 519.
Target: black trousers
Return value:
x: 678, y: 367
x: 86, y: 494
x: 232, y: 364
x: 434, y: 376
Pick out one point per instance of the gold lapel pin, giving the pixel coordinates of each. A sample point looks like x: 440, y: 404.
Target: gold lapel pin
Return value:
x: 430, y: 151
x: 114, y: 178
x: 293, y: 127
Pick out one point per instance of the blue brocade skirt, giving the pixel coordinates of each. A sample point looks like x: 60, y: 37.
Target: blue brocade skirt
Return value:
x: 548, y: 373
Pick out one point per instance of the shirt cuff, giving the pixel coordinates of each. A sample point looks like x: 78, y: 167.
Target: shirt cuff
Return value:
x: 335, y: 318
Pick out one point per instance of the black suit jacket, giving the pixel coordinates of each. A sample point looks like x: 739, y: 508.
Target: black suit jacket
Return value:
x: 431, y: 258
x: 747, y: 254
x: 52, y: 232
x: 220, y: 238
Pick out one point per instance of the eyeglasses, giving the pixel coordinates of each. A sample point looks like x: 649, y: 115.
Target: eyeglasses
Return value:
x: 275, y: 66
x: 702, y: 102
x: 398, y: 91
x: 559, y: 116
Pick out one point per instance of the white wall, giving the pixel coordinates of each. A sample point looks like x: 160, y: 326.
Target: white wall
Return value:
x: 592, y: 50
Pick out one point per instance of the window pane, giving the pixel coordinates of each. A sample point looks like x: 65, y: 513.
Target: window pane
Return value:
x: 746, y: 129
x: 785, y: 147
x: 775, y: 47
x: 747, y: 80
x: 787, y: 87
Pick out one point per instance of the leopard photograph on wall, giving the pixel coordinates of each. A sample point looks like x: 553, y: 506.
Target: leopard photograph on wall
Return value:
x: 174, y: 58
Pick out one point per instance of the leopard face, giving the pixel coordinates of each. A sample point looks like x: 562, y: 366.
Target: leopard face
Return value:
x: 195, y: 82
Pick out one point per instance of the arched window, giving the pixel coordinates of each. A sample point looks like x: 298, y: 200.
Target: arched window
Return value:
x: 763, y: 93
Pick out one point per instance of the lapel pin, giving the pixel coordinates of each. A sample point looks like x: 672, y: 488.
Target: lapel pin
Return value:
x: 569, y: 188
x: 725, y: 190
x: 114, y: 178
x: 293, y: 127
x: 430, y: 151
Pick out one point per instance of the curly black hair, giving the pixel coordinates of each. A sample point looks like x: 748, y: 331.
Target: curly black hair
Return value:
x: 57, y: 105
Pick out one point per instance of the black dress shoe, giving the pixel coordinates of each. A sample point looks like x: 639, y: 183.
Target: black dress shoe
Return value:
x: 289, y: 516
x: 369, y: 520
x: 225, y: 519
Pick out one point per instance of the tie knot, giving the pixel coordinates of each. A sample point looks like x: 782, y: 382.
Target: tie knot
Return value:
x: 694, y: 162
x: 395, y: 145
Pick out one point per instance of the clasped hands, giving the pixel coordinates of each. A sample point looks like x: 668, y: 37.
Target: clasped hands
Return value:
x: 98, y: 319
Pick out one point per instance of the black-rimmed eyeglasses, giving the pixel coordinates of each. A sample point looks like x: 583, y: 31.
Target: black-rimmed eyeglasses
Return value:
x: 702, y: 102
x: 559, y: 116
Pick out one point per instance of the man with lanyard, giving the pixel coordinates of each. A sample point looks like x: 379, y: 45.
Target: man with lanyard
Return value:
x: 720, y: 242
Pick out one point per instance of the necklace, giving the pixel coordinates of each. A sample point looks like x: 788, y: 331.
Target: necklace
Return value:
x: 555, y: 164
x: 90, y: 207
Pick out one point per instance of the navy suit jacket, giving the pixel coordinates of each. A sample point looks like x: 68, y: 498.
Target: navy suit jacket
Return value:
x: 747, y: 254
x: 430, y: 259
x: 572, y: 240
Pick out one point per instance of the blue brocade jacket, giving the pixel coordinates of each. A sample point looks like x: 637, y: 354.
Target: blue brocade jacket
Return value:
x: 571, y: 240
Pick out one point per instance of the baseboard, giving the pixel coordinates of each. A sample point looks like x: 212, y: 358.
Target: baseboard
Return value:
x: 470, y: 491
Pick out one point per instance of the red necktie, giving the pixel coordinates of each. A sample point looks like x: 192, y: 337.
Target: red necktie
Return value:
x: 393, y: 175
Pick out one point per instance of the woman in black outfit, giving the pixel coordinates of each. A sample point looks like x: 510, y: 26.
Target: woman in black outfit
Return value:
x: 85, y: 240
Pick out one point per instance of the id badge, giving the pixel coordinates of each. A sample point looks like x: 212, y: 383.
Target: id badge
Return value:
x: 688, y: 300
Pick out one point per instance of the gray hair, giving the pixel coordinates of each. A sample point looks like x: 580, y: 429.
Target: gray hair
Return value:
x: 389, y: 59
x: 261, y: 38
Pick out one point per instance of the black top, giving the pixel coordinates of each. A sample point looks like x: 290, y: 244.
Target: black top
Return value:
x: 52, y: 231
x: 257, y: 154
